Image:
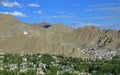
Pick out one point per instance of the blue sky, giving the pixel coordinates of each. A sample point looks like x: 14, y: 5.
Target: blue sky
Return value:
x: 74, y: 13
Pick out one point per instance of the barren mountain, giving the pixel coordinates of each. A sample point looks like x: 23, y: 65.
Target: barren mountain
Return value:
x: 18, y: 37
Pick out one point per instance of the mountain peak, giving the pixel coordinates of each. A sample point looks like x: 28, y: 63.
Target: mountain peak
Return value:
x: 44, y: 24
x: 61, y: 26
x: 6, y: 16
x: 91, y: 27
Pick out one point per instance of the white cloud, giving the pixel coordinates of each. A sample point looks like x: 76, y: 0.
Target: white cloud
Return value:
x: 39, y: 12
x: 33, y: 5
x: 62, y: 12
x: 14, y: 13
x: 109, y: 9
x: 89, y: 10
x: 105, y: 4
x: 113, y: 9
x: 100, y: 17
x: 6, y: 3
x: 61, y: 16
x: 78, y: 24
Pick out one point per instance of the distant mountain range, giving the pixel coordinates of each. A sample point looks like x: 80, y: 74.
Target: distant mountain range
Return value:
x: 58, y: 39
x: 44, y: 24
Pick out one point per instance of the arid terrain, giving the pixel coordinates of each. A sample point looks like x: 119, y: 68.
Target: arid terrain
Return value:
x: 58, y: 39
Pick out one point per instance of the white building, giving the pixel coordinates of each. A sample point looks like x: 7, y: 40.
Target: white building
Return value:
x: 13, y: 67
x: 40, y: 71
x: 25, y: 33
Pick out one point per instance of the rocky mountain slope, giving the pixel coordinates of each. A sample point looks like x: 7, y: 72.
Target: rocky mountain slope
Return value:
x: 18, y: 37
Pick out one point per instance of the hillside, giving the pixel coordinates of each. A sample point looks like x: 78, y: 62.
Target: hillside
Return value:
x: 18, y: 37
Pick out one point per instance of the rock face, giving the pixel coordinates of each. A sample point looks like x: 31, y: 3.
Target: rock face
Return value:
x: 17, y: 37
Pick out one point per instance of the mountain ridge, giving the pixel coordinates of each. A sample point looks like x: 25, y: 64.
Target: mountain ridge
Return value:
x: 57, y: 39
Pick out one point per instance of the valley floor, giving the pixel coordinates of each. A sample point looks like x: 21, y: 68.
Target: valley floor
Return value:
x: 45, y: 64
